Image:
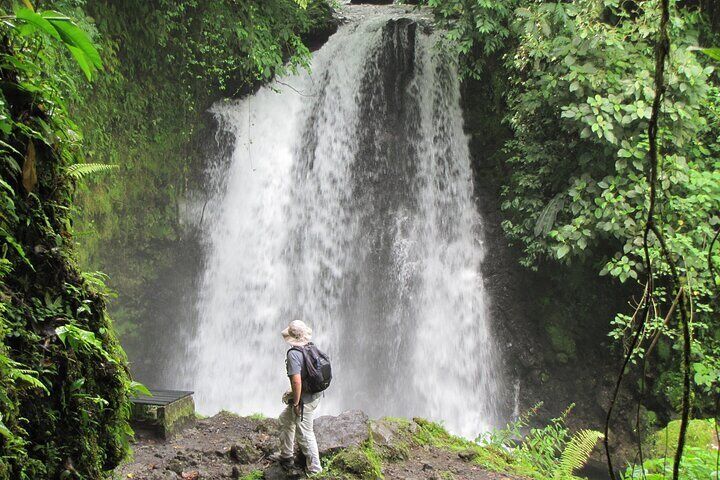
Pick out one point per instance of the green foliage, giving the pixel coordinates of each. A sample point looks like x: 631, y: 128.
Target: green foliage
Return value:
x: 63, y: 29
x: 713, y: 53
x: 700, y: 434
x: 80, y: 339
x: 697, y: 464
x: 63, y: 377
x: 543, y: 452
x: 254, y: 475
x: 579, y: 106
x: 578, y: 100
x: 79, y: 171
x: 475, y: 29
x: 577, y: 452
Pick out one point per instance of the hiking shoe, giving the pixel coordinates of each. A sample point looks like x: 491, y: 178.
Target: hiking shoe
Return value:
x: 286, y: 462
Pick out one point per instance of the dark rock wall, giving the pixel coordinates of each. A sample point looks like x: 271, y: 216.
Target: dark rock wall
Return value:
x: 552, y: 324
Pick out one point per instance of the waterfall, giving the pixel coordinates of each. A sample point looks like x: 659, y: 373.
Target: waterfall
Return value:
x: 348, y: 202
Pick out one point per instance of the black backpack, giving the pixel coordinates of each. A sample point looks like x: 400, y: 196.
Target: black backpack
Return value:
x: 317, y: 366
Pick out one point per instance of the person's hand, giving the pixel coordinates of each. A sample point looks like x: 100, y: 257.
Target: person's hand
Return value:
x: 297, y: 410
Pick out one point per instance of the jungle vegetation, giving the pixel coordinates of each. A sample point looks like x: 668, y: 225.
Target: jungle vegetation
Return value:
x: 101, y: 111
x: 615, y: 166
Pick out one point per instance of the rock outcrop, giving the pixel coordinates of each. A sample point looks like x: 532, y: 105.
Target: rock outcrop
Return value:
x: 334, y: 433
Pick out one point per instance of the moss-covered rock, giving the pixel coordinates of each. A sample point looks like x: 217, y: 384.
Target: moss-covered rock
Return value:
x: 700, y: 434
x: 562, y: 342
x: 362, y: 462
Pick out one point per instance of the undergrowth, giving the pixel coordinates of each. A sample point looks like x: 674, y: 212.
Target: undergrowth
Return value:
x: 64, y: 382
x: 542, y: 453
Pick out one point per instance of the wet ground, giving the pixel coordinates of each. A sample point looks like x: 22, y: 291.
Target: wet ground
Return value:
x: 229, y: 446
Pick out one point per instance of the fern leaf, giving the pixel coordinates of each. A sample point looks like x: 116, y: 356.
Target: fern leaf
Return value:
x: 79, y: 171
x: 576, y: 453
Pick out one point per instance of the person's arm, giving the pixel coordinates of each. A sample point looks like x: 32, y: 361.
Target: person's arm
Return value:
x: 294, y: 371
x: 296, y: 385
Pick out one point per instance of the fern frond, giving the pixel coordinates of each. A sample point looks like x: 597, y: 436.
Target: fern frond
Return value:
x: 79, y: 171
x: 576, y: 453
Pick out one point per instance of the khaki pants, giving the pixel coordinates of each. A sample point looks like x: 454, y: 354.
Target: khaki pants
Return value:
x: 303, y: 425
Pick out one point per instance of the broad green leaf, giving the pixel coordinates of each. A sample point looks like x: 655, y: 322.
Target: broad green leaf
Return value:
x: 38, y: 21
x: 137, y: 388
x: 62, y: 333
x: 4, y: 431
x: 75, y: 37
x: 713, y: 53
x: 82, y: 61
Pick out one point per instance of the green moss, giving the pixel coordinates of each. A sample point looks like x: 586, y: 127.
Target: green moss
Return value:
x: 489, y: 457
x: 434, y: 434
x: 362, y: 462
x: 257, y: 416
x: 700, y: 434
x: 395, y: 452
x: 562, y: 342
x: 399, y: 421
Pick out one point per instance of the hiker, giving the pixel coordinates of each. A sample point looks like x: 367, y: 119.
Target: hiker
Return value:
x: 309, y: 372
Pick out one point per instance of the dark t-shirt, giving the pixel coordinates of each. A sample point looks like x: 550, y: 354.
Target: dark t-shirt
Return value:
x: 295, y: 363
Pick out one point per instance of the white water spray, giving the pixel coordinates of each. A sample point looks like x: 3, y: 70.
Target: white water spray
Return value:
x: 348, y: 203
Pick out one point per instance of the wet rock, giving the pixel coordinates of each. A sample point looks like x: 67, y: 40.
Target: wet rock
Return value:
x: 276, y: 472
x: 244, y: 453
x: 164, y: 475
x: 349, y: 429
x: 235, y: 473
x: 175, y: 466
x: 467, y: 455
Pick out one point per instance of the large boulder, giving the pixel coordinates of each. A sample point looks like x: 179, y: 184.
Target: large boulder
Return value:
x: 334, y: 433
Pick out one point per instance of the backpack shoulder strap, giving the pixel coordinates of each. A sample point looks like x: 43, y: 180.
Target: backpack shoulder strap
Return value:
x: 298, y: 349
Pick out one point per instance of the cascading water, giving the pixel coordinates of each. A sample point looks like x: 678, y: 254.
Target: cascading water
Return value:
x: 347, y: 202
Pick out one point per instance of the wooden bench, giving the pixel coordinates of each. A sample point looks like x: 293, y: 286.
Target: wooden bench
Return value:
x: 164, y: 413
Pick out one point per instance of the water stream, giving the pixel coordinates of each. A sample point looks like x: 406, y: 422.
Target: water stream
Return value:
x: 348, y: 202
